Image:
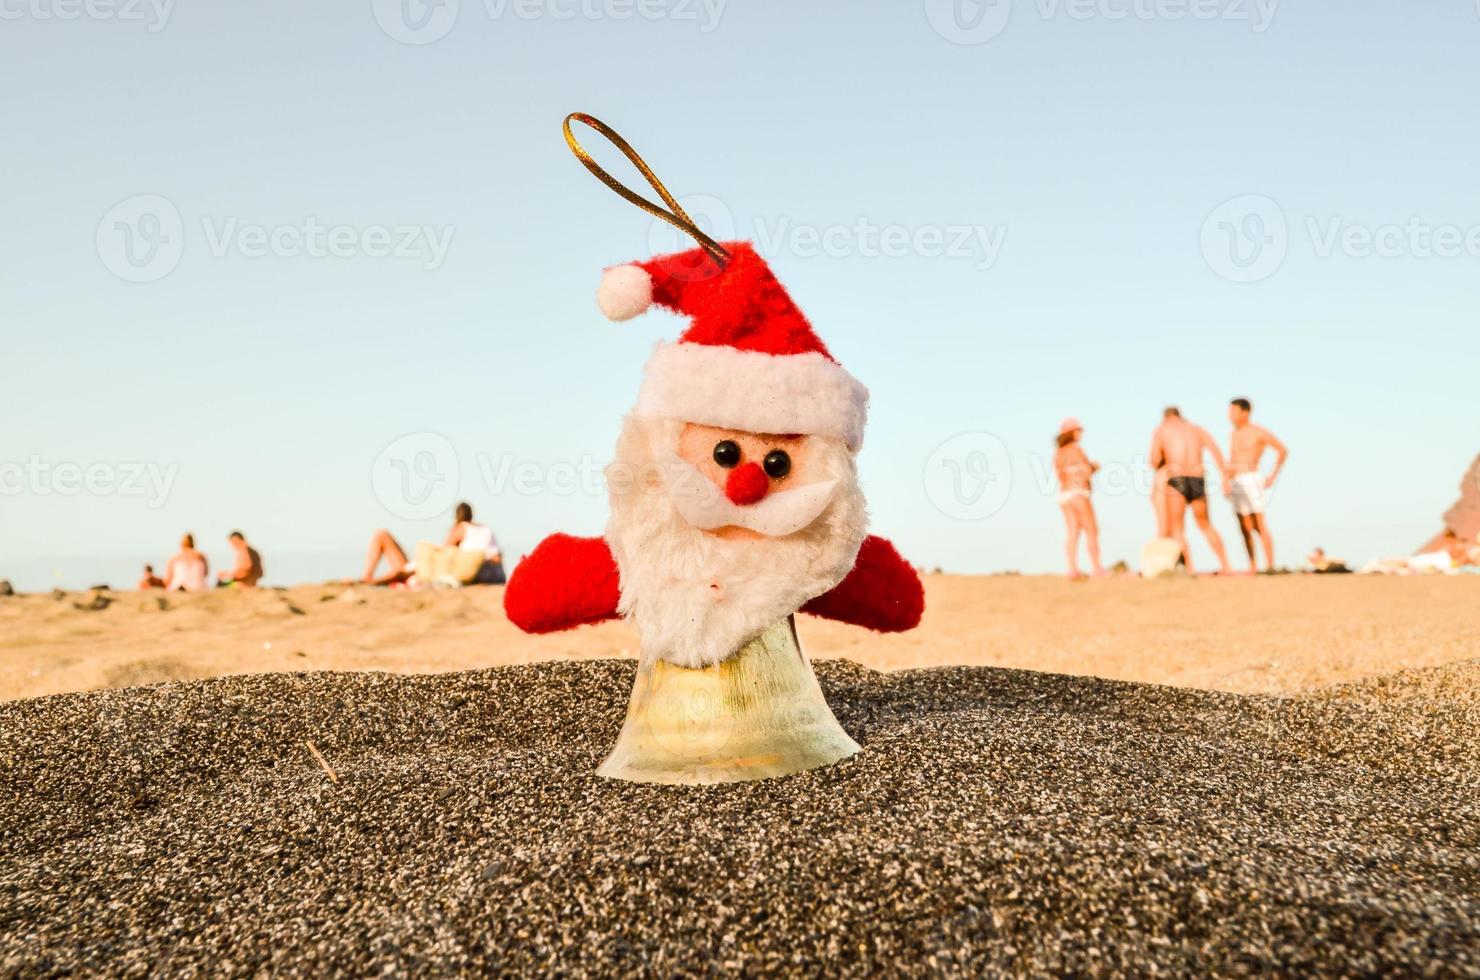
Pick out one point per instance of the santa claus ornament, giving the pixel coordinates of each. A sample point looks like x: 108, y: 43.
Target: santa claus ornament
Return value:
x: 734, y: 505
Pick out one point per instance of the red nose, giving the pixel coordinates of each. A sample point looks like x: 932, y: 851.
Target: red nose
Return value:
x: 747, y: 484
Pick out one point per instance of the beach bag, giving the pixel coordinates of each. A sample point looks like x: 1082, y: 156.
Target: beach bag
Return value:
x: 446, y: 563
x: 1160, y: 557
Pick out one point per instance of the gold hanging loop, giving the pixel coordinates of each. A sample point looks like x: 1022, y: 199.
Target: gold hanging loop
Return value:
x: 677, y: 217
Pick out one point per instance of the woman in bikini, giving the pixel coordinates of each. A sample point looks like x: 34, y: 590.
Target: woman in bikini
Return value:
x: 1075, y: 470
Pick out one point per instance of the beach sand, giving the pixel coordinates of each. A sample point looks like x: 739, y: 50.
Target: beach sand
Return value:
x: 1264, y: 635
x: 996, y: 821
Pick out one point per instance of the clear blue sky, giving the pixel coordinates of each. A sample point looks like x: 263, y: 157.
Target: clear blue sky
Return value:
x: 1052, y: 192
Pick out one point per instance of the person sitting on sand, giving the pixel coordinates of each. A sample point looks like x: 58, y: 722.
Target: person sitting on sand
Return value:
x: 1182, y: 445
x: 1321, y: 564
x: 150, y: 580
x: 1452, y: 555
x: 1460, y: 552
x: 1075, y: 470
x: 465, y: 534
x: 188, y: 570
x: 469, y: 535
x: 248, y: 569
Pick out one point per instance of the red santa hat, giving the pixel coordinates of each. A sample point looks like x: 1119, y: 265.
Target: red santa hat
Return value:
x: 749, y: 360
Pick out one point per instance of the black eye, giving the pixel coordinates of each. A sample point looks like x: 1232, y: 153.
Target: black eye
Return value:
x: 777, y: 464
x: 727, y: 453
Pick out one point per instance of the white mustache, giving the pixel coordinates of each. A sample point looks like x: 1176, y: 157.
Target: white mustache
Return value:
x: 706, y: 507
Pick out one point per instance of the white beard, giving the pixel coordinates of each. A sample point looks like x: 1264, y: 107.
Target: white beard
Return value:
x: 697, y: 598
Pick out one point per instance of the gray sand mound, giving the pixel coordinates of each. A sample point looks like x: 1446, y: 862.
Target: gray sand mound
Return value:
x: 996, y: 820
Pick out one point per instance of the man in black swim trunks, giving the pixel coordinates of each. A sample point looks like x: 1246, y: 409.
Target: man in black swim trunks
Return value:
x: 1181, y: 445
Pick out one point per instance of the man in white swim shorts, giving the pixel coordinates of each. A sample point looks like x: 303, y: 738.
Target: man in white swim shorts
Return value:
x: 1249, y: 489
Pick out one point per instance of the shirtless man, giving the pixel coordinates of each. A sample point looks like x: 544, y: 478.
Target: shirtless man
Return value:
x: 1182, y: 444
x: 1248, y: 488
x: 247, y: 571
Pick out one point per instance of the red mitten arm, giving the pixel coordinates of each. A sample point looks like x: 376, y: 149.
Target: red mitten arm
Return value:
x: 563, y: 583
x: 882, y: 592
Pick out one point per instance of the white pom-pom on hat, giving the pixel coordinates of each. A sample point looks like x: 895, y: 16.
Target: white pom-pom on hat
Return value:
x: 625, y: 291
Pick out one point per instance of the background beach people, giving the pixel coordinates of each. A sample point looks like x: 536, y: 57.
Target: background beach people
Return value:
x: 1182, y: 445
x: 1075, y: 470
x: 465, y: 534
x: 469, y: 535
x: 1247, y: 485
x: 188, y: 569
x: 247, y: 571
